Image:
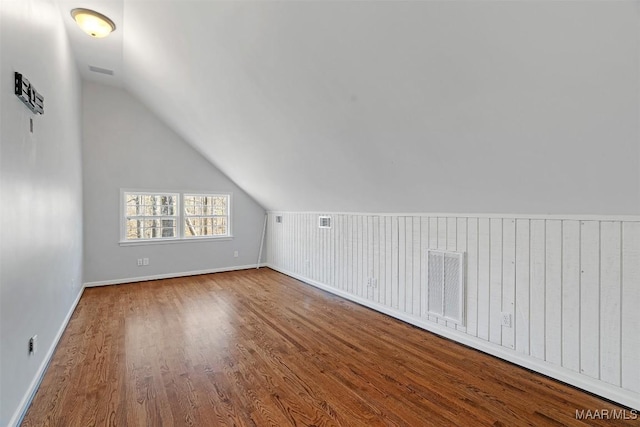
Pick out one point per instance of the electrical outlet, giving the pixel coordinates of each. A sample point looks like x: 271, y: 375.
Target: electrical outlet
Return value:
x: 235, y: 254
x: 33, y: 344
x: 139, y: 262
x: 145, y: 261
x: 506, y: 319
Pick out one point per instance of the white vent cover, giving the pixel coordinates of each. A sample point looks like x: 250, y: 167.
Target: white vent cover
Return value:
x: 100, y: 70
x: 279, y: 219
x: 324, y: 222
x: 445, y: 286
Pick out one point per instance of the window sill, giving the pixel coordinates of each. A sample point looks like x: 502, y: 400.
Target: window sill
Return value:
x: 173, y: 241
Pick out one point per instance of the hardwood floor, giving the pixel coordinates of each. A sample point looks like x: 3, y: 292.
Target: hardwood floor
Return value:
x: 257, y: 348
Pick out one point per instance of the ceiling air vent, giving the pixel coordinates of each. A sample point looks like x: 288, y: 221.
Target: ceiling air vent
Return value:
x: 279, y: 219
x: 100, y: 70
x: 324, y: 222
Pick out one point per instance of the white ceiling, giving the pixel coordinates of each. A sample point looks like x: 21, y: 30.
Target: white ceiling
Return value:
x: 405, y: 106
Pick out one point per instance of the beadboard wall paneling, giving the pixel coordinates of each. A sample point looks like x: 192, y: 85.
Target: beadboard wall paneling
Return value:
x: 571, y: 285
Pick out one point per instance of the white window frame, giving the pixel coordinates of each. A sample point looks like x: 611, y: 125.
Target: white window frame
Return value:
x: 179, y: 217
x: 124, y: 217
x: 201, y: 194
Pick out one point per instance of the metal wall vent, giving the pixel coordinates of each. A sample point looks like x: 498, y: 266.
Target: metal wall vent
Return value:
x: 279, y: 219
x: 101, y: 70
x: 324, y: 222
x: 445, y: 286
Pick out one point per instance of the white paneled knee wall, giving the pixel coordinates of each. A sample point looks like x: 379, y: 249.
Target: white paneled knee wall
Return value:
x: 571, y: 285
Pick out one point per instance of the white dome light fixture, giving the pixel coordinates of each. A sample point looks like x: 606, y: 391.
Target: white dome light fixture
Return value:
x: 93, y: 23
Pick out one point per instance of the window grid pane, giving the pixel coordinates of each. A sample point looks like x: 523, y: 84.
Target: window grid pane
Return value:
x: 206, y: 215
x: 151, y: 216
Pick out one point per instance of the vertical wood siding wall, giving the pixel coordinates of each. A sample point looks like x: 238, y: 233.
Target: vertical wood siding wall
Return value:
x: 572, y: 286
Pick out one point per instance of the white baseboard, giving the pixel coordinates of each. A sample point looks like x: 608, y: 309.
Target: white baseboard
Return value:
x: 21, y: 411
x: 171, y: 275
x: 624, y: 397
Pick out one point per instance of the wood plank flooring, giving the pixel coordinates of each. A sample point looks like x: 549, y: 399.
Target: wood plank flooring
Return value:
x: 257, y: 348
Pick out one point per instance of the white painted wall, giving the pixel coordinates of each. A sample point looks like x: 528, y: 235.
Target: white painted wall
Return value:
x: 402, y: 106
x: 40, y: 198
x: 127, y: 146
x: 570, y: 283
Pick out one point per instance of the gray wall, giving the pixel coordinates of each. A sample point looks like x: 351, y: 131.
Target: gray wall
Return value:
x: 127, y: 146
x: 41, y: 196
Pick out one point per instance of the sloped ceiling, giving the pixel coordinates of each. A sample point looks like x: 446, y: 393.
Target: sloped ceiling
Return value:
x: 396, y: 106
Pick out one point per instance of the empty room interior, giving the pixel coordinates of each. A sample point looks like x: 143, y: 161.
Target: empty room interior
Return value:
x: 319, y: 213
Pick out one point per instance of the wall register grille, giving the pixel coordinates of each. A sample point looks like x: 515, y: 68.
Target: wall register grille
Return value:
x: 445, y: 286
x: 324, y: 222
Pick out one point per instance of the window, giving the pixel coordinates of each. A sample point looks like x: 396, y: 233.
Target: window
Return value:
x: 151, y: 216
x: 156, y: 216
x: 206, y: 215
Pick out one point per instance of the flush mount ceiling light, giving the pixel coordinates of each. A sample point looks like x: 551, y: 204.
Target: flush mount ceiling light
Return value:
x: 93, y: 23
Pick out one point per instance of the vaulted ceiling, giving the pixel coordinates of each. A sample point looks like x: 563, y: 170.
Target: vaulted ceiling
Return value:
x: 392, y: 106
